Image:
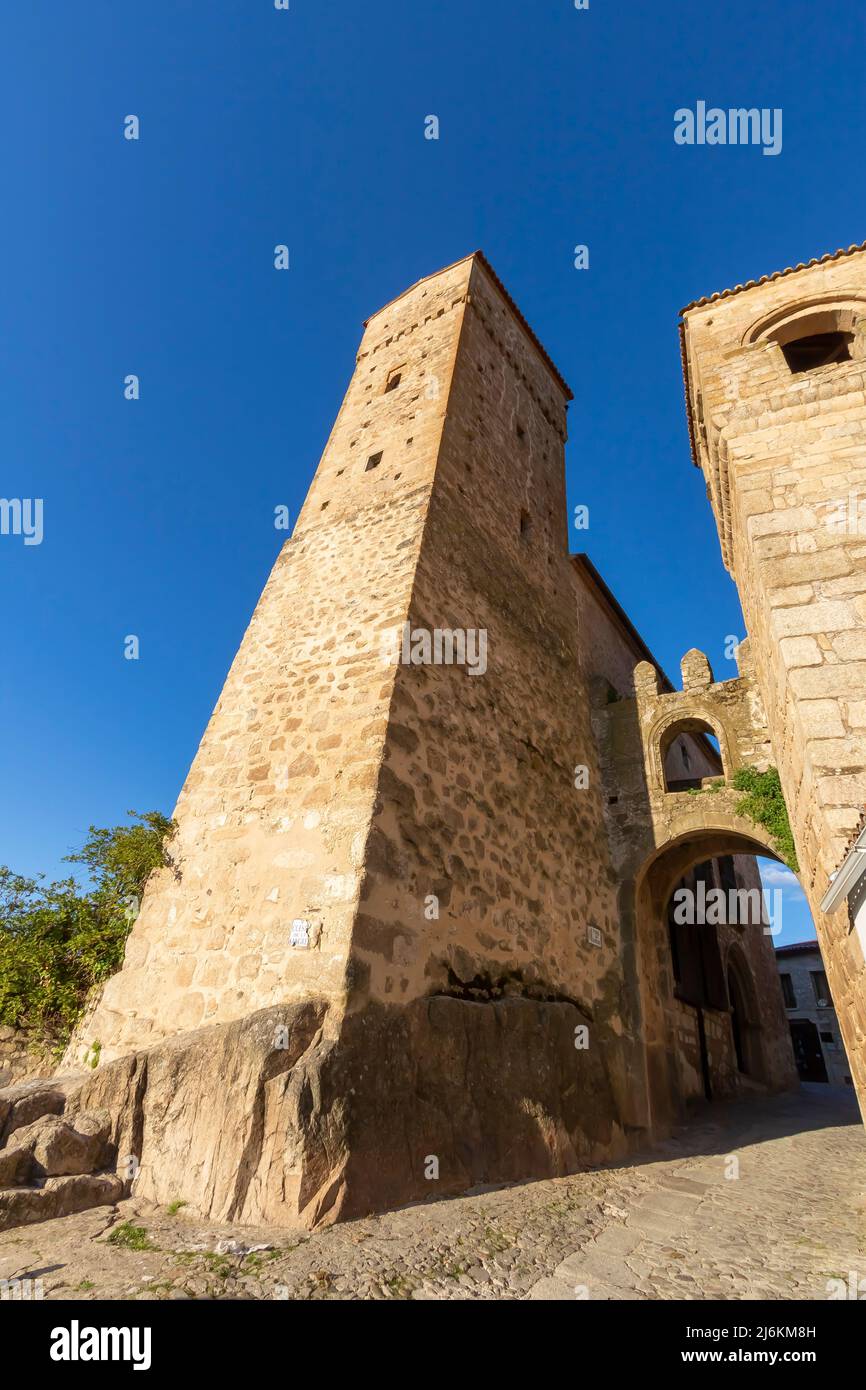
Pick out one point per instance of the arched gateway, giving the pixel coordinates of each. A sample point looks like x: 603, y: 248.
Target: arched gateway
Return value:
x: 712, y: 1022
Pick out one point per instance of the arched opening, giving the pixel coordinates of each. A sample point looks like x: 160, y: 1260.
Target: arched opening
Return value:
x: 690, y: 755
x: 713, y: 1018
x: 813, y: 335
x: 817, y: 350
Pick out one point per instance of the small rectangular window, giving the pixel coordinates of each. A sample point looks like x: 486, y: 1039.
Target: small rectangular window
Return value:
x: 373, y: 462
x: 394, y: 379
x: 818, y: 350
x: 788, y: 994
x: 821, y: 988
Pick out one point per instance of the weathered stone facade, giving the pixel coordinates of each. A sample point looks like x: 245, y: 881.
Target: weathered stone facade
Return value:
x: 776, y: 393
x: 658, y: 834
x: 818, y: 1046
x: 21, y: 1057
x: 417, y: 915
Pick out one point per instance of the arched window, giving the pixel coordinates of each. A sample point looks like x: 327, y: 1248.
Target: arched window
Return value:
x: 690, y: 753
x: 812, y: 336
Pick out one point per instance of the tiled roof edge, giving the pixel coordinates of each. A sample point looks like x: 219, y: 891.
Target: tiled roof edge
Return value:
x: 776, y: 275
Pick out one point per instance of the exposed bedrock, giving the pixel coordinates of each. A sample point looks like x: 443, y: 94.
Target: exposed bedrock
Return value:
x: 292, y: 1117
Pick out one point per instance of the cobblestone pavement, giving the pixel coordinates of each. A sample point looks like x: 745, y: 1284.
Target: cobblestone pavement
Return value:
x: 676, y: 1223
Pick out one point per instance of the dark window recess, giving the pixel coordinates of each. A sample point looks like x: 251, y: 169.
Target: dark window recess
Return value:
x: 372, y: 462
x: 727, y: 874
x: 521, y: 432
x: 788, y: 994
x: 821, y: 988
x: 818, y: 350
x: 393, y: 382
x: 826, y: 1037
x: 525, y: 524
x: 695, y: 954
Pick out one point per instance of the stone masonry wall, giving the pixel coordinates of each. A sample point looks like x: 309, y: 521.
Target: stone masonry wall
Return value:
x: 275, y: 813
x: 800, y: 965
x: 784, y: 457
x: 640, y: 814
x: 478, y: 808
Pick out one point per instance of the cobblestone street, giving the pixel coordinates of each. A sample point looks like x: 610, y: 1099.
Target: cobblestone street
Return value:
x: 670, y: 1226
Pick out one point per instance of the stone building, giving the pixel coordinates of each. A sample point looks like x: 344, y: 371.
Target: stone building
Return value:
x: 818, y: 1047
x: 417, y: 928
x: 422, y: 926
x: 776, y: 396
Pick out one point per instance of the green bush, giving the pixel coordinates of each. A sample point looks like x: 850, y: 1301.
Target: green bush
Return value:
x: 58, y: 940
x: 764, y: 804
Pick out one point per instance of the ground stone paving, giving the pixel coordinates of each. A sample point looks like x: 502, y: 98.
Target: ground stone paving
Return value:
x: 759, y: 1200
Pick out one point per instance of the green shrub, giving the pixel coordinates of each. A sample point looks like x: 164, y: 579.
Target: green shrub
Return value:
x: 764, y: 804
x: 130, y: 1237
x: 57, y: 940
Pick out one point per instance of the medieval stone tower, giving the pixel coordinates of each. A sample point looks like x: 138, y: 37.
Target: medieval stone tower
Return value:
x: 375, y: 838
x: 776, y: 392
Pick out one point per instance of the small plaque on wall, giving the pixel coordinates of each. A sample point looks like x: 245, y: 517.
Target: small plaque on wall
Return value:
x: 300, y: 936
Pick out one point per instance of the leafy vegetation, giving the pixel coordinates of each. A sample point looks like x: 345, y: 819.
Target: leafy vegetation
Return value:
x: 716, y: 786
x: 131, y: 1237
x: 764, y: 804
x: 58, y: 940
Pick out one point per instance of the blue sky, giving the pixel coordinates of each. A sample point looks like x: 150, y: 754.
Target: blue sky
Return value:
x: 306, y: 127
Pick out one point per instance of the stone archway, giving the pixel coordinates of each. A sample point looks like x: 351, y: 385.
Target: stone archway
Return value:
x: 658, y: 834
x: 695, y: 839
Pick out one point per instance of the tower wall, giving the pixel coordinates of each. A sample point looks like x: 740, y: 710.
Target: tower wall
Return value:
x: 275, y: 814
x: 478, y: 803
x: 465, y: 996
x: 783, y: 453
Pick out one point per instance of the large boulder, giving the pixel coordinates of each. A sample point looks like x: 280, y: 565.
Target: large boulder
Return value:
x: 60, y: 1147
x: 20, y: 1206
x: 27, y: 1101
x: 15, y: 1166
x: 296, y: 1116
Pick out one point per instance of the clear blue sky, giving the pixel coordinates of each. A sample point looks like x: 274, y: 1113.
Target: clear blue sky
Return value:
x: 307, y: 127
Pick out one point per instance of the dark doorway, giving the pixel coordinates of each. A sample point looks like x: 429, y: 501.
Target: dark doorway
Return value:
x: 807, y: 1050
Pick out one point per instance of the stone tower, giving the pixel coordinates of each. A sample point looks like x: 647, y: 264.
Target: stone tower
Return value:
x: 395, y: 814
x: 776, y: 395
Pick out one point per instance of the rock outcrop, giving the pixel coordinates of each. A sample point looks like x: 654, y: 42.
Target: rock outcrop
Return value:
x: 282, y: 1118
x: 292, y: 1118
x: 52, y: 1164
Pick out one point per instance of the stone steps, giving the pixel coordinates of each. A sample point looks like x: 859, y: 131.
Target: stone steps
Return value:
x: 51, y: 1165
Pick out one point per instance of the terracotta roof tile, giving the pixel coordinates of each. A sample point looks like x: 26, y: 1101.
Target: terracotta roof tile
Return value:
x: 776, y: 275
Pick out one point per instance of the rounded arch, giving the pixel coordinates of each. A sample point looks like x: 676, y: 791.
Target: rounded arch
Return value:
x: 707, y: 833
x: 694, y: 837
x: 828, y: 313
x: 694, y: 719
